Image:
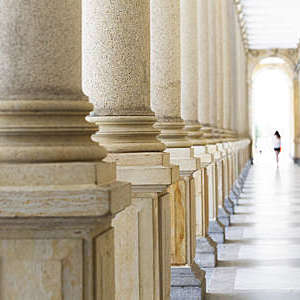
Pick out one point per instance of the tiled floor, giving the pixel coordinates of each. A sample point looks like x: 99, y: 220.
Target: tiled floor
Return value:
x: 261, y: 257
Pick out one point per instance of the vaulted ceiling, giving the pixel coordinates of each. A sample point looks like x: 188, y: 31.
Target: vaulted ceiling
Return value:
x: 272, y: 23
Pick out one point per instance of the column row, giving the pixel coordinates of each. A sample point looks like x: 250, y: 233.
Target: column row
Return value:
x: 126, y: 198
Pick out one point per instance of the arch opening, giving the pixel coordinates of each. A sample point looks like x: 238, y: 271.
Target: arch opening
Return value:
x: 272, y: 97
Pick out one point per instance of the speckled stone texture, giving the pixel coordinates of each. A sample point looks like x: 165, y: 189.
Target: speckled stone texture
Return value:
x: 116, y: 68
x: 165, y: 59
x: 116, y: 41
x: 203, y: 91
x: 165, y: 71
x: 41, y: 101
x: 219, y: 66
x: 227, y: 61
x: 212, y: 62
x: 189, y: 69
x: 40, y: 50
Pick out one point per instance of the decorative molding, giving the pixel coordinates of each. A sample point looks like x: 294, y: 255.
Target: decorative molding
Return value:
x: 242, y: 23
x: 290, y: 56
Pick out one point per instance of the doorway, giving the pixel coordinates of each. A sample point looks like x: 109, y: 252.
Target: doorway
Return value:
x: 272, y: 101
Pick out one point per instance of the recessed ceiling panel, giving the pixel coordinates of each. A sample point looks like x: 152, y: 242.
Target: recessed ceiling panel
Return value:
x: 272, y: 23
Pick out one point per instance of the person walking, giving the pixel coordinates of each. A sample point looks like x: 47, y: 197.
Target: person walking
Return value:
x: 277, y: 145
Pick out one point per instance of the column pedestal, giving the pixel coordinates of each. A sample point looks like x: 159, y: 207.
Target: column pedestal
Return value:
x: 185, y: 284
x: 153, y: 182
x: 222, y: 166
x: 216, y: 229
x: 66, y: 209
x: 206, y: 250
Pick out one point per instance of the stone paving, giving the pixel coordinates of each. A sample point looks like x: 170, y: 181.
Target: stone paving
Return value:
x: 261, y: 257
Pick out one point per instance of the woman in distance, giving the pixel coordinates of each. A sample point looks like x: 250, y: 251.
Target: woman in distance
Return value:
x: 277, y: 145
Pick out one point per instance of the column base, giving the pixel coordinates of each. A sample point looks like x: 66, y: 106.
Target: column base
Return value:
x: 223, y: 216
x: 126, y: 134
x: 216, y: 232
x: 187, y: 284
x: 206, y: 252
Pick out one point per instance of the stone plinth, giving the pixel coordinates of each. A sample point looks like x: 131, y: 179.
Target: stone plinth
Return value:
x: 214, y: 170
x: 183, y: 220
x: 154, y: 183
x: 206, y: 251
x: 57, y: 229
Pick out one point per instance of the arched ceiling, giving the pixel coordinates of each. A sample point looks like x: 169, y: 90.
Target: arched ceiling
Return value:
x: 272, y: 23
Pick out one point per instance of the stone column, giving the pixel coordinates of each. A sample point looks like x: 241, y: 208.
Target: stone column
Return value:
x: 118, y: 75
x: 116, y: 46
x: 227, y: 63
x: 203, y: 83
x: 212, y: 63
x: 242, y: 125
x: 185, y: 281
x: 40, y: 87
x: 219, y: 68
x: 296, y: 106
x: 189, y: 70
x: 58, y: 199
x: 166, y: 73
x: 234, y: 56
x: 215, y: 228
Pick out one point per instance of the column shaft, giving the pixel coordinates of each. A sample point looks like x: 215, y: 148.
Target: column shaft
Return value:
x: 212, y: 63
x: 220, y: 67
x: 203, y: 82
x: 189, y: 69
x: 165, y: 72
x: 42, y: 107
x: 117, y: 74
x: 227, y: 62
x: 234, y: 67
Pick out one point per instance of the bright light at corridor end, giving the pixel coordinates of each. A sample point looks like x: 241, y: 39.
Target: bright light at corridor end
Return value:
x: 272, y: 23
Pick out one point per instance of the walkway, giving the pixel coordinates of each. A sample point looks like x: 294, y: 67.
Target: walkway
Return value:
x: 261, y: 259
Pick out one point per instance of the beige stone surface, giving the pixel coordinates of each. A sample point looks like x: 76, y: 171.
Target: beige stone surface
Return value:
x: 146, y: 173
x: 203, y: 90
x: 165, y: 72
x: 53, y: 269
x: 151, y: 174
x: 42, y: 105
x: 212, y: 63
x: 49, y: 190
x: 202, y: 205
x: 191, y: 217
x: 189, y: 69
x: 227, y: 62
x: 116, y: 69
x: 146, y: 217
x: 164, y: 220
x: 116, y: 56
x: 127, y: 263
x: 219, y: 65
x: 178, y: 202
x: 104, y: 265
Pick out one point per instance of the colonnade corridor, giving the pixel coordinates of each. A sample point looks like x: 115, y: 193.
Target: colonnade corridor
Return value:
x: 261, y: 257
